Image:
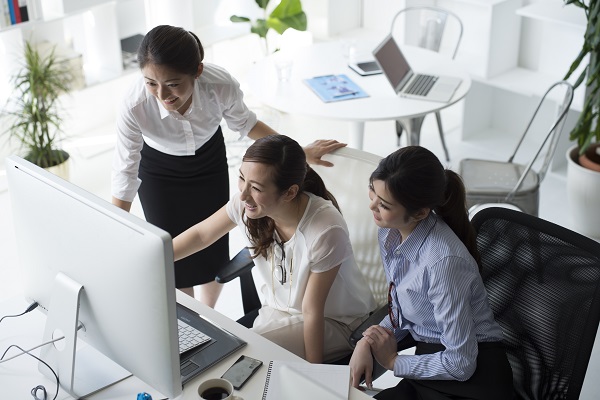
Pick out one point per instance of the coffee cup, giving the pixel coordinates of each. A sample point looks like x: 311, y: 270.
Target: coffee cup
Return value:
x: 216, y: 389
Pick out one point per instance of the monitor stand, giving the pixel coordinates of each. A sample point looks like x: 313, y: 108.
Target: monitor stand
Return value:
x: 81, y: 371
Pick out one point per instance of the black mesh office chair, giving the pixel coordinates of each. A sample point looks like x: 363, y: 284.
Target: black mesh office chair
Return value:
x: 543, y: 283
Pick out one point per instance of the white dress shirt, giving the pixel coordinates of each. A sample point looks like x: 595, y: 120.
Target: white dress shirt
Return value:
x: 142, y: 118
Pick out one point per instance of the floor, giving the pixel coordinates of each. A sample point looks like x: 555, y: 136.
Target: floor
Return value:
x: 91, y: 157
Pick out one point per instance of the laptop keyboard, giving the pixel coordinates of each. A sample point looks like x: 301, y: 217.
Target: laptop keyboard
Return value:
x: 421, y: 85
x: 190, y: 337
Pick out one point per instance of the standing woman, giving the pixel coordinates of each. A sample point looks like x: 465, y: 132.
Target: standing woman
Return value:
x: 436, y: 294
x: 315, y: 296
x: 170, y: 148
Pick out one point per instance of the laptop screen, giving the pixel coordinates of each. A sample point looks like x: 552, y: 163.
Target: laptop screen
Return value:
x: 392, y: 62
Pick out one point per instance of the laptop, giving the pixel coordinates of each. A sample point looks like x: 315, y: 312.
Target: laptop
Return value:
x: 406, y: 82
x: 218, y: 344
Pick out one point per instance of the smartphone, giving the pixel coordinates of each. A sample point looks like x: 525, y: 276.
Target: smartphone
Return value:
x: 366, y: 68
x: 241, y: 371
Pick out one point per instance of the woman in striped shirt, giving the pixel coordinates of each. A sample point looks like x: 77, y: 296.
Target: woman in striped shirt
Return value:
x: 437, y: 301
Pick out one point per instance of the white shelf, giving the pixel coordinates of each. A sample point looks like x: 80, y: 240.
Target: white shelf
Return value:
x: 555, y: 11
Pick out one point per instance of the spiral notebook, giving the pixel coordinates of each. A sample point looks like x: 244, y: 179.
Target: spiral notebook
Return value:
x: 302, y: 380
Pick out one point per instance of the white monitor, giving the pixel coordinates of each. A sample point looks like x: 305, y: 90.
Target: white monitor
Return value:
x: 89, y: 263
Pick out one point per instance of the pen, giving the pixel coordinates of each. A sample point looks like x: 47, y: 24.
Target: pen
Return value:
x: 344, y: 94
x: 322, y: 76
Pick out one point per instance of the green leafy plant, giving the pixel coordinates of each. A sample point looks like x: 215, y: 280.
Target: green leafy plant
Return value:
x: 288, y: 14
x: 587, y: 127
x: 33, y: 111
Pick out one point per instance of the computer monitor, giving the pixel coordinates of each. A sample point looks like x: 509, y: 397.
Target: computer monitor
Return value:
x: 101, y: 275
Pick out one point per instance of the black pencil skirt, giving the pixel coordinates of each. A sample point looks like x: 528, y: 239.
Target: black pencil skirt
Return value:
x: 179, y: 191
x: 492, y: 379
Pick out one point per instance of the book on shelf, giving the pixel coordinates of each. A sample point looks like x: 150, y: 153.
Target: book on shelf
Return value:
x: 302, y: 380
x: 332, y: 88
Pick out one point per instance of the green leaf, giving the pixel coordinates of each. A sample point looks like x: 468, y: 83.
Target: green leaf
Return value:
x: 260, y: 27
x: 262, y: 3
x: 236, y: 18
x: 287, y: 8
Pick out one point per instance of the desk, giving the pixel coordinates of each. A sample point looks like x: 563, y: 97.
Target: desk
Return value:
x: 17, y: 377
x: 295, y: 97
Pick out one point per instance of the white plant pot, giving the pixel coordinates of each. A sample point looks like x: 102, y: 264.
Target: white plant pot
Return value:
x: 61, y: 170
x: 583, y: 193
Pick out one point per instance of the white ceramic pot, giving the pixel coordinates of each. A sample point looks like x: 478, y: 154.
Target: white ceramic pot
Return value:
x: 583, y: 193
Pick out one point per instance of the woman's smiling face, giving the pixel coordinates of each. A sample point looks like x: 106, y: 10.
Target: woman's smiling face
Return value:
x: 172, y: 89
x: 259, y: 193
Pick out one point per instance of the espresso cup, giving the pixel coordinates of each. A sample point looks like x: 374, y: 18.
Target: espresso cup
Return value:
x: 216, y: 389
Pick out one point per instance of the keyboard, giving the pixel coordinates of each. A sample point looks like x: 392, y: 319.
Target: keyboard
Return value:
x: 190, y: 337
x: 421, y: 85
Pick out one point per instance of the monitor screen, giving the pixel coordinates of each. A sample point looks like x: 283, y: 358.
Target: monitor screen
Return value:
x: 126, y: 309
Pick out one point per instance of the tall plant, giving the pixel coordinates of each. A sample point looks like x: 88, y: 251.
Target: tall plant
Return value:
x: 587, y: 127
x: 33, y: 109
x: 288, y: 14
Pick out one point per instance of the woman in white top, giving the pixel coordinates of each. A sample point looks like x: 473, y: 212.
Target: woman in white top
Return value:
x: 314, y: 293
x: 170, y: 148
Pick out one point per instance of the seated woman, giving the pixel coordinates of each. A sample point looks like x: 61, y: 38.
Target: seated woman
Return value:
x: 315, y: 296
x: 437, y: 300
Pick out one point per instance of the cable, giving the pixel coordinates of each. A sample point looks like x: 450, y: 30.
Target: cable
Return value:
x: 2, y: 360
x: 39, y: 387
x: 31, y: 307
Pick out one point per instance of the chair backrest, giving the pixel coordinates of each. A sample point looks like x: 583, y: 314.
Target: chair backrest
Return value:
x: 431, y: 28
x: 561, y: 95
x: 543, y: 283
x: 348, y: 181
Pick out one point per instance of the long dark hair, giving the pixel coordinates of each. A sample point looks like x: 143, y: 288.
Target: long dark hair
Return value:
x: 416, y: 179
x: 172, y: 47
x: 288, y: 167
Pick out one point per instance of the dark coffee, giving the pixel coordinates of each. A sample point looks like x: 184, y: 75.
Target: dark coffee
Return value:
x: 215, y: 393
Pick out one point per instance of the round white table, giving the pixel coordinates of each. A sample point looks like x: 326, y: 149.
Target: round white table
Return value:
x: 295, y: 97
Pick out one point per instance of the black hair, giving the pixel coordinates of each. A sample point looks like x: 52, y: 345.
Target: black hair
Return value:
x: 416, y: 179
x: 172, y: 47
x: 288, y: 167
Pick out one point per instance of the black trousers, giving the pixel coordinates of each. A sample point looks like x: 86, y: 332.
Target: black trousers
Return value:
x: 179, y: 191
x: 492, y: 379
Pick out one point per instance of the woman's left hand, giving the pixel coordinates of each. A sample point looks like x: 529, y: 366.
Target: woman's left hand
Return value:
x: 383, y: 345
x: 318, y: 148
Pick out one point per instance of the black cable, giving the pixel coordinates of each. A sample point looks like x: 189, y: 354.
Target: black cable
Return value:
x: 35, y: 389
x: 31, y: 307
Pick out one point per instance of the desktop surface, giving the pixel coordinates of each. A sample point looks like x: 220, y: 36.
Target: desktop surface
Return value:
x: 19, y: 376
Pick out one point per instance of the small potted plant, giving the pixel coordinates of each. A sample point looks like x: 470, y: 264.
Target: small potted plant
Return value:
x: 584, y: 183
x: 288, y: 14
x: 33, y: 111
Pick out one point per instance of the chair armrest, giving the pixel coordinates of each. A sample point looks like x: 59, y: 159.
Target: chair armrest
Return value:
x: 374, y: 319
x: 241, y: 264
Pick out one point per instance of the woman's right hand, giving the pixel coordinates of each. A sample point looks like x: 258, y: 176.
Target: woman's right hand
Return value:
x: 361, y: 364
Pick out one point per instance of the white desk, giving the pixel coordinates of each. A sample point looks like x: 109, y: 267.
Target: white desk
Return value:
x: 295, y: 97
x: 19, y: 376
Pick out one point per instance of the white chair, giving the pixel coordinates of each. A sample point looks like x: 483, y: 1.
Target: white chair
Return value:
x: 488, y: 181
x: 434, y: 29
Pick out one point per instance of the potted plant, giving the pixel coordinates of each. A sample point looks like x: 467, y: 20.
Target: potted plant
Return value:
x: 583, y: 183
x: 288, y: 14
x: 33, y: 112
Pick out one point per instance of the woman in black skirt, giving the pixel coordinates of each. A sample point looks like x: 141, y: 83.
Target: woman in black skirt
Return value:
x: 171, y: 150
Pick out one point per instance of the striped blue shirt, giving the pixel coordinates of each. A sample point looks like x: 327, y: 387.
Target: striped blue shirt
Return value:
x: 438, y: 297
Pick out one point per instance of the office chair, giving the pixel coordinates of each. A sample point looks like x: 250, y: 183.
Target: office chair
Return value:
x: 434, y: 29
x: 488, y: 181
x: 543, y: 284
x: 348, y: 181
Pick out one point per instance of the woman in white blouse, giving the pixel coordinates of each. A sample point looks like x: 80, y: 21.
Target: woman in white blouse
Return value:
x: 315, y: 296
x: 170, y: 148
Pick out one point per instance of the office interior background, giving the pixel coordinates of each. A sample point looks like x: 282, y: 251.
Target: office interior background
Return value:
x: 512, y: 49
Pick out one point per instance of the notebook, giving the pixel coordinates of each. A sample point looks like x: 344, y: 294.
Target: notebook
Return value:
x: 317, y: 381
x: 221, y: 344
x: 408, y: 83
